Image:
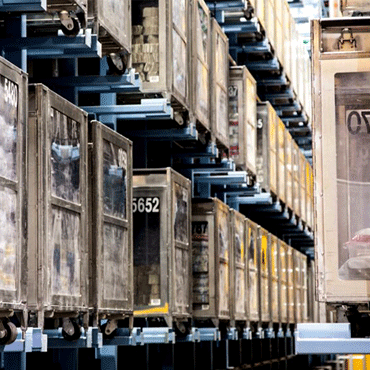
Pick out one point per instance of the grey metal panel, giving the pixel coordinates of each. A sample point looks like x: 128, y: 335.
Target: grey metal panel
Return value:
x: 289, y: 169
x: 302, y: 184
x: 281, y: 160
x: 13, y: 190
x: 110, y: 230
x: 238, y: 267
x: 275, y: 281
x: 340, y: 88
x: 161, y: 49
x: 212, y: 244
x: 291, y: 285
x: 252, y: 252
x: 243, y: 118
x: 70, y: 5
x: 296, y: 179
x: 162, y: 244
x: 219, y: 84
x: 112, y: 21
x: 283, y: 266
x: 57, y: 174
x: 200, y: 61
x: 266, y: 161
x: 264, y: 246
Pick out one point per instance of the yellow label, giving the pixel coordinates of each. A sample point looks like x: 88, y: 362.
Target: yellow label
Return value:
x: 154, y: 310
x: 274, y: 258
x: 358, y: 362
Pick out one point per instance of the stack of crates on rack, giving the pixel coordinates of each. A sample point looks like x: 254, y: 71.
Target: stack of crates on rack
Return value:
x: 211, y: 262
x: 239, y: 267
x: 219, y: 85
x: 290, y: 54
x: 105, y: 243
x: 110, y: 20
x: 13, y: 198
x: 110, y: 227
x: 161, y: 51
x: 282, y: 168
x: 243, y: 118
x: 201, y: 64
x: 266, y: 148
x: 162, y: 248
x: 57, y: 212
x: 220, y: 291
x: 63, y: 250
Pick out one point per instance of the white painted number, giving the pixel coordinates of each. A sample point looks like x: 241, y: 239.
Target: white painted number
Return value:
x: 147, y: 205
x: 11, y: 93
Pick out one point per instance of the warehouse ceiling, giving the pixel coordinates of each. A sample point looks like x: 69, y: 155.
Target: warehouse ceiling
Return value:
x: 305, y: 10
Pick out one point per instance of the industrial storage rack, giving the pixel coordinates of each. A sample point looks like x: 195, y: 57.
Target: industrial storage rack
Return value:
x: 110, y: 226
x: 13, y: 178
x: 162, y: 247
x: 57, y: 210
x: 144, y: 336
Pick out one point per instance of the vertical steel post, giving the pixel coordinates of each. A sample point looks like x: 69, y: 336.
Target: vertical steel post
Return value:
x: 17, y: 27
x: 107, y: 99
x: 15, y: 361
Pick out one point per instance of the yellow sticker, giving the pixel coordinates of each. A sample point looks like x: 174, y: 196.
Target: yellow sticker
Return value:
x: 153, y: 310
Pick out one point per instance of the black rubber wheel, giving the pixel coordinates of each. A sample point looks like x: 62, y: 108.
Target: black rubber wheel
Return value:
x: 73, y: 32
x: 105, y: 334
x: 181, y: 329
x: 81, y: 16
x: 116, y: 64
x: 76, y: 335
x: 11, y: 333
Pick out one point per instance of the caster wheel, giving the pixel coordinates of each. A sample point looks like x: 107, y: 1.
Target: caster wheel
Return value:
x: 116, y: 64
x: 181, y: 329
x: 107, y: 334
x: 73, y: 336
x: 82, y: 19
x: 11, y: 333
x: 72, y: 30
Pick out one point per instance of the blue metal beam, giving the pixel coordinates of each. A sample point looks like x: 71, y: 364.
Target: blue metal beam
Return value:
x: 148, y: 109
x: 91, y: 338
x: 123, y: 337
x: 220, y: 178
x: 328, y: 339
x: 210, y: 151
x: 253, y: 48
x: 209, y: 334
x: 228, y: 5
x: 81, y: 46
x: 242, y: 27
x: 19, y: 6
x: 264, y: 65
x: 34, y: 341
x: 175, y: 134
x: 278, y: 81
x: 157, y: 335
x: 295, y: 119
x: 287, y: 108
x: 51, y: 43
x: 129, y: 82
x: 287, y: 94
